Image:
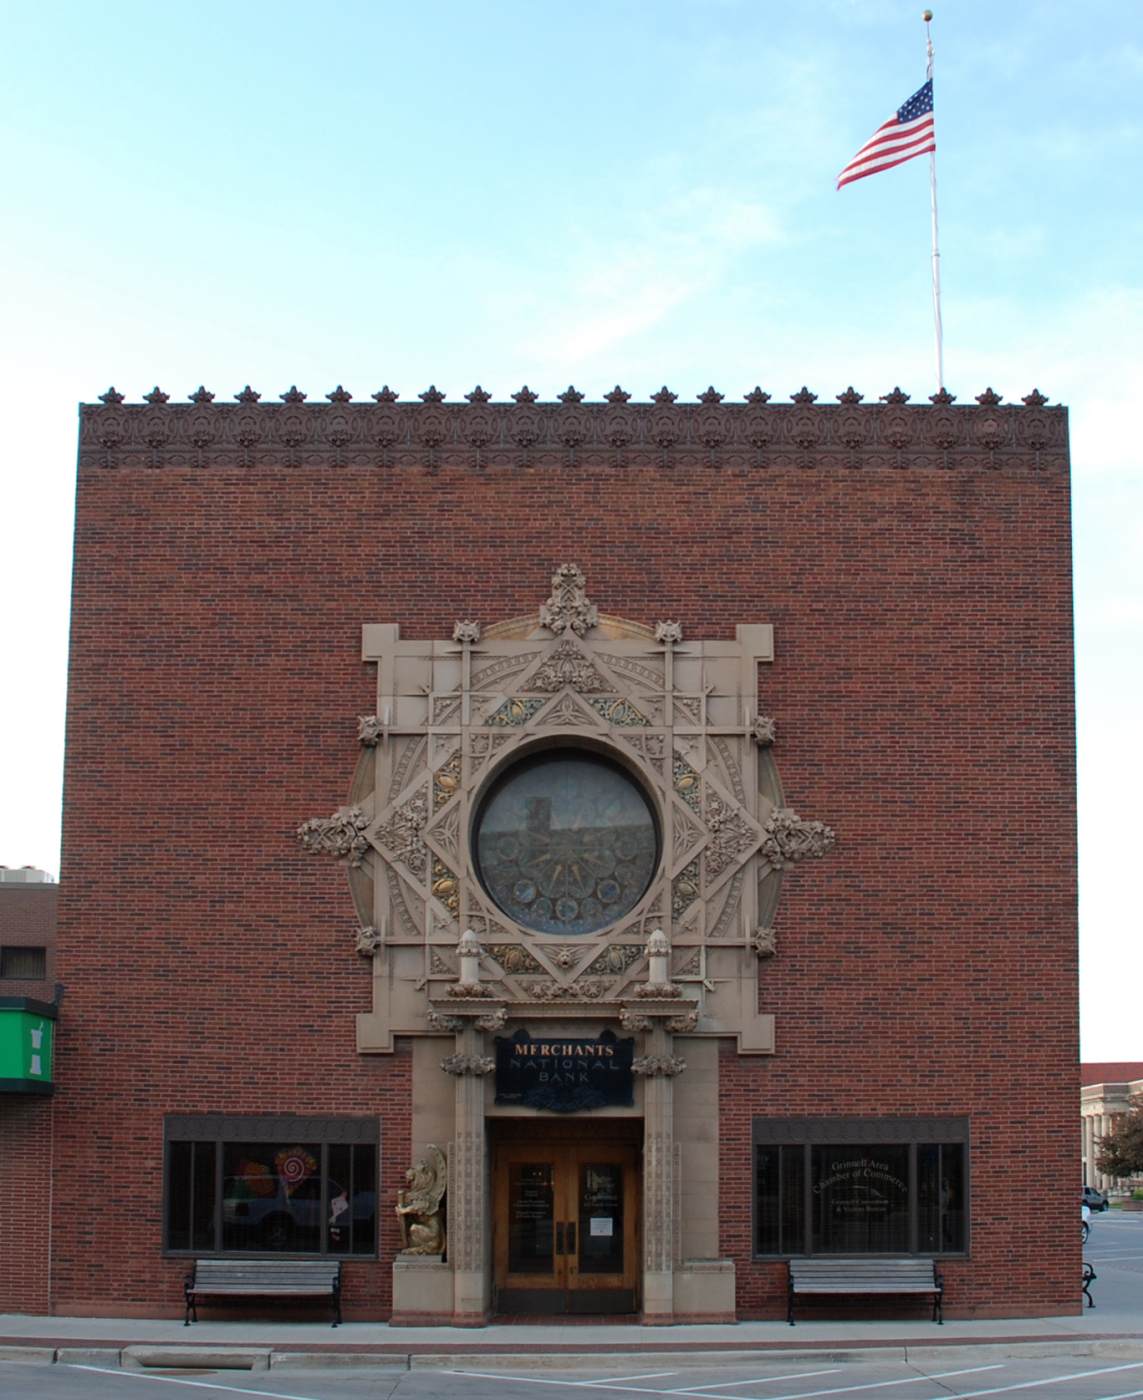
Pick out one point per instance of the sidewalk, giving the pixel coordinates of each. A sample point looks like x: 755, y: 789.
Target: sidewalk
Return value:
x: 166, y: 1342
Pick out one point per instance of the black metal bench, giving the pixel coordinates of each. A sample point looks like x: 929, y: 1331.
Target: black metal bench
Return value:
x: 1089, y: 1277
x: 263, y: 1278
x: 865, y: 1276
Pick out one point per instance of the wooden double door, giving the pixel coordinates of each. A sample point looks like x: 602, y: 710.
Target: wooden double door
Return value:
x: 565, y: 1227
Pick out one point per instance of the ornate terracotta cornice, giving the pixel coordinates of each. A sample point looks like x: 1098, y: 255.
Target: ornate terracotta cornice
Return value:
x: 477, y: 434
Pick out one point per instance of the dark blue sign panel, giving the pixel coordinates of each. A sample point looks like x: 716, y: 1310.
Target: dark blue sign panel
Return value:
x: 565, y: 1074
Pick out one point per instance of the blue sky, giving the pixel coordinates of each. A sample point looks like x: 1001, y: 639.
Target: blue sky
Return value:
x: 627, y: 192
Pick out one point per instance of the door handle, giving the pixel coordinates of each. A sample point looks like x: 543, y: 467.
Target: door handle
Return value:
x: 571, y: 1237
x: 560, y: 1238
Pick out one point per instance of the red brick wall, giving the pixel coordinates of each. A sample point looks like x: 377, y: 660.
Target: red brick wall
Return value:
x: 28, y: 919
x: 923, y: 691
x: 25, y: 1203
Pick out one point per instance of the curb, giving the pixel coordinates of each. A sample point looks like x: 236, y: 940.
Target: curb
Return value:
x: 213, y: 1357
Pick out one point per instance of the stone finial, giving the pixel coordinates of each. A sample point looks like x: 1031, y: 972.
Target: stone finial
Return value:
x: 850, y: 396
x: 469, y: 952
x: 385, y: 395
x: 895, y: 395
x: 668, y: 634
x: 112, y: 396
x: 804, y: 396
x: 339, y: 395
x: 370, y: 730
x: 989, y: 399
x: 658, y: 954
x: 757, y: 395
x: 156, y: 396
x: 202, y: 395
x: 431, y: 395
x: 569, y: 608
x: 570, y: 395
x: 664, y: 396
x: 942, y: 397
x: 1034, y: 400
x: 525, y: 395
x: 467, y: 633
x: 617, y: 395
x: 247, y: 395
x: 478, y: 395
x: 293, y: 395
x: 710, y: 395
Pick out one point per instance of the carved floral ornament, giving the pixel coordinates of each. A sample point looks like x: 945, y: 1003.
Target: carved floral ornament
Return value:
x: 672, y: 943
x: 385, y: 430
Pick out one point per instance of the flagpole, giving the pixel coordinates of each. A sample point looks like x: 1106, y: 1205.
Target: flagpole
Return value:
x: 927, y: 16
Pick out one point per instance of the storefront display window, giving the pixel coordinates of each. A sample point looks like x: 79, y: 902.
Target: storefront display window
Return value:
x: 271, y: 1194
x: 860, y: 1196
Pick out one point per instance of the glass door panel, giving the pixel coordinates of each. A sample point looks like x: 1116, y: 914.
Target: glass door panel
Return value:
x: 601, y: 1218
x: 531, y: 1218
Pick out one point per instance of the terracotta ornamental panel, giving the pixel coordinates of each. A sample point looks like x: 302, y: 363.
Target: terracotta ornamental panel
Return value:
x: 566, y: 814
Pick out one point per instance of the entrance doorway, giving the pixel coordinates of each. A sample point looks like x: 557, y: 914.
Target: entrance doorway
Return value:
x: 565, y: 1224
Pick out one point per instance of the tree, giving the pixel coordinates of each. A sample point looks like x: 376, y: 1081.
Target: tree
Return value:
x: 1120, y: 1153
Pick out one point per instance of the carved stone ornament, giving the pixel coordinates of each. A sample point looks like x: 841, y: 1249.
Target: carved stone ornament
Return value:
x: 450, y: 723
x: 569, y: 609
x: 447, y: 1024
x: 634, y: 1020
x: 787, y: 838
x: 419, y: 1204
x: 568, y: 667
x: 493, y: 1021
x: 341, y: 835
x: 682, y: 1024
x: 658, y: 1066
x: 369, y: 941
x: 369, y: 730
x: 459, y: 1065
x: 764, y: 731
x: 764, y: 942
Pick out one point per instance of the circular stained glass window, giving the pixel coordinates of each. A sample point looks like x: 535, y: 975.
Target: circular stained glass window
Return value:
x: 566, y: 842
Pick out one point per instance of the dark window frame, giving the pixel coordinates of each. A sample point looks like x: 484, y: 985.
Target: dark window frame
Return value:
x: 213, y: 1132
x: 42, y: 962
x: 802, y: 1135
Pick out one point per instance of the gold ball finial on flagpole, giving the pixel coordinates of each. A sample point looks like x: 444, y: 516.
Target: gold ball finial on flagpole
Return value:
x: 926, y: 15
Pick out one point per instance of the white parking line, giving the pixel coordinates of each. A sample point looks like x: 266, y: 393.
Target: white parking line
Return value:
x: 203, y: 1385
x: 646, y: 1376
x: 758, y: 1380
x: 873, y: 1385
x: 1051, y: 1380
x: 719, y: 1395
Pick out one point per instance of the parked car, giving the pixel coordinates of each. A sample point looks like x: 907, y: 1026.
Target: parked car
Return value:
x: 1093, y: 1199
x: 288, y: 1220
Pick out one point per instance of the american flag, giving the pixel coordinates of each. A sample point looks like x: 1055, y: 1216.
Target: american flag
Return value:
x: 907, y: 134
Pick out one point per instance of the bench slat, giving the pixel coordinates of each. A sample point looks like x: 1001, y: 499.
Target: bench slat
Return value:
x: 864, y: 1276
x: 271, y: 1278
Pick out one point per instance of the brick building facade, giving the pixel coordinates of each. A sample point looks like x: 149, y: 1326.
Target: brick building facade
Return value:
x: 823, y: 652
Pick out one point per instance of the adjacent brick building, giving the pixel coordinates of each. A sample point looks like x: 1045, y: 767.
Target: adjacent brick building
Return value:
x: 815, y: 661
